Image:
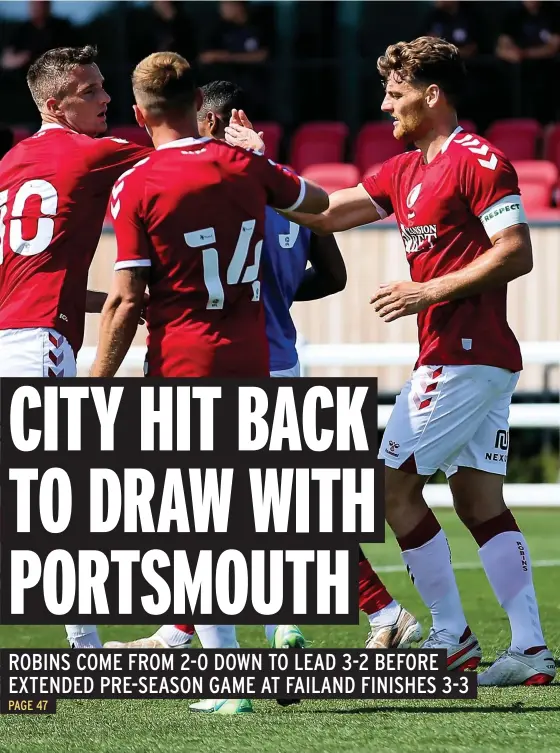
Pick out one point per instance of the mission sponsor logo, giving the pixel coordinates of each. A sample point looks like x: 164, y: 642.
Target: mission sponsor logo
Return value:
x: 418, y: 238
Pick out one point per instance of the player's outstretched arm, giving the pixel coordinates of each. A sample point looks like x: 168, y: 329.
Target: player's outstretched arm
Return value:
x: 327, y: 274
x: 348, y: 208
x: 509, y: 257
x: 119, y: 320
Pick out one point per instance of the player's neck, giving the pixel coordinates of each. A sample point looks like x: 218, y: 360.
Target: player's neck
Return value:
x: 430, y: 145
x: 164, y: 134
x: 48, y: 119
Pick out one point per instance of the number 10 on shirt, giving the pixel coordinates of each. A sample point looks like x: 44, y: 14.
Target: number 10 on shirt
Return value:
x: 234, y: 274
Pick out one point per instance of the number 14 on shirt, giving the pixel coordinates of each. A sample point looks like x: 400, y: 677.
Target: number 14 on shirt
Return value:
x: 211, y: 266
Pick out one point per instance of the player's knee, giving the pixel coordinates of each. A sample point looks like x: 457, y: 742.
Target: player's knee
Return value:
x: 402, y: 492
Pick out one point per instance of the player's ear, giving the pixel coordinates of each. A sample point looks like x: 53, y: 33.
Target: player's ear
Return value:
x: 52, y: 106
x: 139, y: 116
x: 433, y: 95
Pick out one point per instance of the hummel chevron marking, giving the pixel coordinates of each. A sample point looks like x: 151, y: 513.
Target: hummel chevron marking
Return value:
x: 489, y: 163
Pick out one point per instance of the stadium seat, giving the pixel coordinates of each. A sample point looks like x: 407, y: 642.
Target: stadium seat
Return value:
x: 272, y: 137
x: 132, y: 133
x: 535, y: 195
x: 372, y: 169
x: 468, y: 125
x: 333, y: 176
x: 316, y: 143
x: 537, y: 179
x: 517, y: 138
x: 20, y: 133
x: 537, y: 171
x: 375, y: 143
x: 552, y: 144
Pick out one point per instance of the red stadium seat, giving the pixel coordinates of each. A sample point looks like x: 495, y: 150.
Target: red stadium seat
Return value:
x: 315, y: 143
x: 535, y: 195
x: 333, y: 176
x: 536, y: 182
x: 468, y: 126
x: 20, y: 133
x: 372, y: 169
x: 552, y: 144
x: 272, y: 137
x: 132, y: 133
x: 518, y: 138
x: 537, y: 171
x: 375, y: 143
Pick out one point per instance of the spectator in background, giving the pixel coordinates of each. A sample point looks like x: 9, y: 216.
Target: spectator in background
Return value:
x: 529, y: 46
x: 31, y: 38
x: 236, y: 49
x: 456, y: 23
x: 160, y: 27
x: 234, y: 38
x: 28, y: 41
x: 531, y: 32
x: 460, y: 24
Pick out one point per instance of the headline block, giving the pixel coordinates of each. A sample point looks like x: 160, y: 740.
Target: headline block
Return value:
x: 203, y: 501
x: 236, y: 673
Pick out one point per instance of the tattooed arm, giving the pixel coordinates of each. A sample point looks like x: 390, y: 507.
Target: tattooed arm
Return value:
x: 119, y: 320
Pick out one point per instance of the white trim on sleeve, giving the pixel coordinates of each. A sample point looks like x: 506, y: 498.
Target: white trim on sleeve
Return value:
x: 504, y: 213
x: 128, y: 264
x: 300, y: 198
x: 380, y: 211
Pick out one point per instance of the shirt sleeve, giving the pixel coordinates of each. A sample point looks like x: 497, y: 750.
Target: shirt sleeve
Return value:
x: 379, y: 187
x: 108, y: 158
x: 491, y: 189
x: 285, y: 189
x: 133, y: 245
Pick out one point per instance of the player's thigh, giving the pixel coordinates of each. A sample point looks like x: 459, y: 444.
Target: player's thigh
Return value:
x: 295, y: 371
x: 477, y: 473
x: 436, y: 415
x: 35, y: 352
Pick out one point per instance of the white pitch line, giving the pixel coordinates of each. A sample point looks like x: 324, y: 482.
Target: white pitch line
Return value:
x: 461, y: 566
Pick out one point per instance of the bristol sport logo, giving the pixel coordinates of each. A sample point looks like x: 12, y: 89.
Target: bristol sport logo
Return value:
x: 418, y: 238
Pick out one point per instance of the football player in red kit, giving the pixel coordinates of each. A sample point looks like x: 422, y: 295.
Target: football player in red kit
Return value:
x: 189, y: 221
x: 54, y: 191
x: 458, y: 206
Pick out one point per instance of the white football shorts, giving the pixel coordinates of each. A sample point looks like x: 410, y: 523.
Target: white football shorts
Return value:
x: 35, y: 352
x: 287, y: 373
x: 451, y: 416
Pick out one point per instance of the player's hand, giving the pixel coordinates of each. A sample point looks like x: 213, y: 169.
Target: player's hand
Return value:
x: 238, y: 135
x: 393, y: 300
x: 239, y: 117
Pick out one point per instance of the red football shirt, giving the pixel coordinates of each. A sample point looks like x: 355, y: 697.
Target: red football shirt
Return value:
x: 54, y: 192
x: 446, y: 212
x: 194, y: 212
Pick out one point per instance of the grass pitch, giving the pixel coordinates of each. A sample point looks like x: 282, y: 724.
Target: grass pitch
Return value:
x: 516, y: 719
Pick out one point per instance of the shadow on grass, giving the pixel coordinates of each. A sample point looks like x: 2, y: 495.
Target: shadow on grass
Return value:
x: 515, y: 708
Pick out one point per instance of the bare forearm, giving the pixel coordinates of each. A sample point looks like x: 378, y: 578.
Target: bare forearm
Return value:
x: 95, y: 300
x: 495, y: 268
x: 319, y: 223
x: 119, y: 323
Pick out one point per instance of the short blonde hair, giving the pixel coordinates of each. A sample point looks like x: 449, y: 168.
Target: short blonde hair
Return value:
x: 428, y: 60
x: 163, y: 83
